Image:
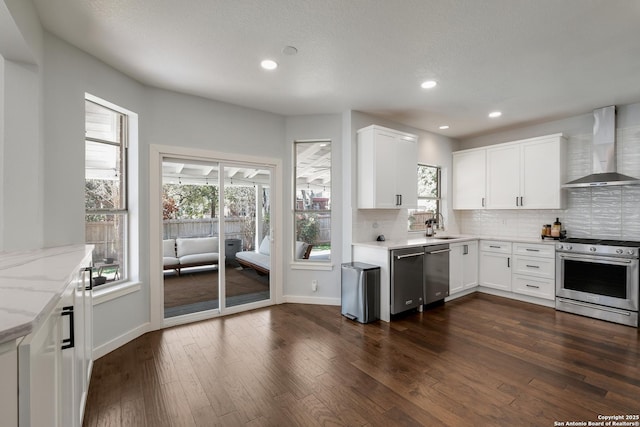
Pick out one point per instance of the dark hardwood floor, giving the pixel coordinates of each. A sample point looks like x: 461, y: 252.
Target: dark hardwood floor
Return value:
x: 480, y: 360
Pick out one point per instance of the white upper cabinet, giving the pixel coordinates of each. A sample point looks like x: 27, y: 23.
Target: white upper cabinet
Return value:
x: 387, y: 169
x: 523, y: 174
x: 543, y: 172
x: 469, y: 178
x: 503, y: 177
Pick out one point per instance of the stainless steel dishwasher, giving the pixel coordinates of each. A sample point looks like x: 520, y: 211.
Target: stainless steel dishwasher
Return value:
x: 436, y: 273
x: 407, y: 268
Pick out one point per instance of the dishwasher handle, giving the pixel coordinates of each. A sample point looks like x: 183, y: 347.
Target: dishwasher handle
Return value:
x: 440, y: 251
x: 409, y: 255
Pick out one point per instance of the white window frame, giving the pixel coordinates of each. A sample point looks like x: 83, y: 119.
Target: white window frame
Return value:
x: 129, y: 280
x: 309, y: 263
x: 438, y: 198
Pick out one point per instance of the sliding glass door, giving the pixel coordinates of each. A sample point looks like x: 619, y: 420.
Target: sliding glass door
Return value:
x: 215, y: 220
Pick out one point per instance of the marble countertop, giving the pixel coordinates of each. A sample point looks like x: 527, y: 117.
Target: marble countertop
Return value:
x: 453, y: 238
x: 31, y: 283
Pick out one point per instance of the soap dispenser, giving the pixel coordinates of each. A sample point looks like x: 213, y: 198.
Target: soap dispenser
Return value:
x: 429, y: 224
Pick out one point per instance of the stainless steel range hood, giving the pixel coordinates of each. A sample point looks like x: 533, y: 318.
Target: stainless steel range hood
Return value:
x: 604, y: 154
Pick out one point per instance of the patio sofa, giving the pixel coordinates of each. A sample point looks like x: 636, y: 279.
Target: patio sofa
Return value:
x: 260, y: 260
x: 189, y: 252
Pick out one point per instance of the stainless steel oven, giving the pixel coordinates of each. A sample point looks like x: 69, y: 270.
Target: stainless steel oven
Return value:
x: 598, y: 278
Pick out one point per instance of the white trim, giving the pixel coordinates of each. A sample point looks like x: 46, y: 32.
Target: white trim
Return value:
x: 109, y: 293
x: 518, y: 297
x: 156, y: 155
x: 319, y: 266
x: 299, y: 299
x: 121, y: 340
x: 461, y: 294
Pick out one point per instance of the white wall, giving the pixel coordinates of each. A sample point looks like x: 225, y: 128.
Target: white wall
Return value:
x: 607, y: 212
x: 433, y: 149
x: 21, y: 151
x: 297, y: 283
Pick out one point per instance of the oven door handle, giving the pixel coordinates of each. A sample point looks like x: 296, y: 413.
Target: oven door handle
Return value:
x: 600, y: 260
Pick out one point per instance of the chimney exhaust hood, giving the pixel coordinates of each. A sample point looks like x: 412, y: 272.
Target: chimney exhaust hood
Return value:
x: 604, y: 154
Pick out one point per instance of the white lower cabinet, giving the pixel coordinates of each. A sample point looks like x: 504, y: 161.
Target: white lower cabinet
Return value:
x: 9, y: 383
x: 40, y: 373
x: 534, y: 270
x: 463, y: 266
x: 54, y: 361
x: 495, y: 264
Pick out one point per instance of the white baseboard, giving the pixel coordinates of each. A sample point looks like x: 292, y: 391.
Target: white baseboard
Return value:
x: 310, y: 300
x: 121, y: 340
x: 519, y: 297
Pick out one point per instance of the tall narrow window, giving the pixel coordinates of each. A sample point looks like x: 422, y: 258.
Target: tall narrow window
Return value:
x: 312, y: 204
x: 106, y: 211
x: 428, y: 198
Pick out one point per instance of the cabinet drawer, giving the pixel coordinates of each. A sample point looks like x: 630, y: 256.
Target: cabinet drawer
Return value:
x: 495, y: 246
x: 533, y: 249
x: 534, y: 286
x: 532, y: 266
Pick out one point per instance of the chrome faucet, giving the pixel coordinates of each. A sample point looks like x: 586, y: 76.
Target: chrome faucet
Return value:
x: 439, y: 224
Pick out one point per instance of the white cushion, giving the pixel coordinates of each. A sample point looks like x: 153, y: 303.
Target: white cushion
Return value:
x: 170, y: 261
x: 196, y: 245
x: 256, y: 258
x: 265, y: 246
x: 169, y: 248
x: 211, y: 257
x: 301, y: 247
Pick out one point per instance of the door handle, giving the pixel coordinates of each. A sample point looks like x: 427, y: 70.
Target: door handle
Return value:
x: 89, y: 287
x: 521, y: 202
x: 483, y: 202
x: 508, y: 262
x: 68, y: 342
x: 533, y: 266
x: 465, y: 249
x: 441, y: 251
x: 517, y: 201
x: 409, y: 255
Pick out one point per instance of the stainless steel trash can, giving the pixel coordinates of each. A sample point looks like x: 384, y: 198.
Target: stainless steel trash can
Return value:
x: 361, y: 291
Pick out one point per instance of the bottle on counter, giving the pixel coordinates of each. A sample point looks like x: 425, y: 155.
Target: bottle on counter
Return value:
x: 556, y: 228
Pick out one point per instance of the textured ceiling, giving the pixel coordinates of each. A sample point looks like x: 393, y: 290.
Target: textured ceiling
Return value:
x: 535, y: 60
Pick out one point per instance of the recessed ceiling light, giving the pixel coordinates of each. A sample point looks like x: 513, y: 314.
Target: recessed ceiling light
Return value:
x: 429, y: 84
x: 269, y: 64
x: 443, y: 127
x: 495, y: 114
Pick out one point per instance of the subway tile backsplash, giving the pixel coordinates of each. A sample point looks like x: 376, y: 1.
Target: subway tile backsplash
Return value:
x: 605, y: 212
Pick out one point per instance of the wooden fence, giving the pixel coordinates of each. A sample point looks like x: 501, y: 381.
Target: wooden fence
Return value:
x: 103, y: 235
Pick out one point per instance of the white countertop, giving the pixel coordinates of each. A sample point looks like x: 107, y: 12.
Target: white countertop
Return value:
x: 425, y: 241
x: 31, y: 283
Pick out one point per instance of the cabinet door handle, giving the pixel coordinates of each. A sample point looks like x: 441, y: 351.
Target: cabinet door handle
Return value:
x: 465, y: 249
x: 533, y: 266
x: 68, y: 342
x: 400, y: 195
x: 508, y: 262
x: 517, y: 201
x: 483, y: 202
x: 521, y: 202
x: 533, y: 250
x: 533, y: 286
x: 89, y: 287
x: 494, y: 246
